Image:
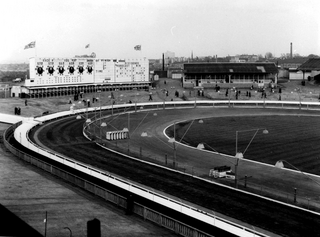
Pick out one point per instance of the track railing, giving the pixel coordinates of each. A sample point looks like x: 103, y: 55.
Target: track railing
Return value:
x: 21, y: 135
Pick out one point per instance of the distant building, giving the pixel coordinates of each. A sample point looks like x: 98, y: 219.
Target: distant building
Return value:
x: 169, y: 57
x: 291, y: 63
x: 244, y: 58
x: 288, y: 67
x: 208, y: 75
x: 175, y: 71
x: 169, y: 54
x: 310, y: 69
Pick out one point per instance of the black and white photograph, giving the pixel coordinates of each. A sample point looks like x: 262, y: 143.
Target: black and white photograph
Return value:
x: 143, y: 118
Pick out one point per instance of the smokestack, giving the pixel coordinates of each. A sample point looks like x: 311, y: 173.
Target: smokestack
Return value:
x: 163, y: 62
x: 291, y: 50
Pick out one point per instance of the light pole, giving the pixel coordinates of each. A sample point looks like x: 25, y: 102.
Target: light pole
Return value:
x: 111, y: 100
x: 127, y: 130
x: 137, y: 94
x: 264, y: 98
x: 173, y: 141
x: 195, y: 98
x: 239, y: 155
x: 229, y: 93
x: 265, y: 131
x: 298, y: 89
x: 99, y: 99
x: 104, y: 124
x: 279, y: 164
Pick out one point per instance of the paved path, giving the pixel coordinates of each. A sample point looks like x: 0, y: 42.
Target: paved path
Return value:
x: 29, y: 192
x: 11, y: 119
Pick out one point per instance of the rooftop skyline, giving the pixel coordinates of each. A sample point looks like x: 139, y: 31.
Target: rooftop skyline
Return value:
x: 112, y: 28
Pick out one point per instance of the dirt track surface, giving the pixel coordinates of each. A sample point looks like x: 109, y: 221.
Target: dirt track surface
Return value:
x: 254, y: 211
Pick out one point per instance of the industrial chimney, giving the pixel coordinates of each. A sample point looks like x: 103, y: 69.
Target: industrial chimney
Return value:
x: 163, y: 62
x: 291, y: 50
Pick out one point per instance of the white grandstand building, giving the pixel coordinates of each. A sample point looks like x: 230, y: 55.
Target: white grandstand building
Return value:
x: 64, y: 76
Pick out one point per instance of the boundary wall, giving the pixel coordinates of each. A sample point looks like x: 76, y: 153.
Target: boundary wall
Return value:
x: 21, y: 130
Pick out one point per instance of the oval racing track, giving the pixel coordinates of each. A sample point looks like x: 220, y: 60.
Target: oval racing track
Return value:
x: 65, y: 137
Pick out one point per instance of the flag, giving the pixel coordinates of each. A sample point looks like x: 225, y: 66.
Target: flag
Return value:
x: 137, y: 47
x: 31, y: 45
x: 87, y: 46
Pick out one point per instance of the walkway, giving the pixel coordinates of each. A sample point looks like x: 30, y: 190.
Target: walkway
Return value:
x: 10, y: 119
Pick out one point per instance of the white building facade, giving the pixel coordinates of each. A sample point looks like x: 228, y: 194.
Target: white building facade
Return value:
x: 71, y: 71
x: 68, y: 76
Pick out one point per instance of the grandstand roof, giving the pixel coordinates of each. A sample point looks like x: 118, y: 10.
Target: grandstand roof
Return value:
x: 230, y: 68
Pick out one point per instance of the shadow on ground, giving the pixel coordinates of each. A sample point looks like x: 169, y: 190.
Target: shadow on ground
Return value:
x: 11, y: 225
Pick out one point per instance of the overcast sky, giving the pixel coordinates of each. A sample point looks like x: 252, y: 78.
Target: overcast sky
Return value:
x: 62, y: 28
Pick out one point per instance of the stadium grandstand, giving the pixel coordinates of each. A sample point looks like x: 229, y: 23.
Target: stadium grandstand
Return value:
x: 67, y: 76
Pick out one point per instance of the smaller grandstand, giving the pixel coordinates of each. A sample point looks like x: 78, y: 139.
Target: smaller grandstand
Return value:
x: 226, y: 75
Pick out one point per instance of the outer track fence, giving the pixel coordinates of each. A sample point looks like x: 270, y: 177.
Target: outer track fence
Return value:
x: 20, y: 135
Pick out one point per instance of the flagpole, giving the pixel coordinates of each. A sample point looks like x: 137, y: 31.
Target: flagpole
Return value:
x: 87, y: 48
x: 45, y: 225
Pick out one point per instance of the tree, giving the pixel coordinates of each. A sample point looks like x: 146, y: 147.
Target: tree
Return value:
x: 296, y: 55
x: 313, y: 56
x: 269, y: 55
x: 283, y: 55
x: 260, y: 56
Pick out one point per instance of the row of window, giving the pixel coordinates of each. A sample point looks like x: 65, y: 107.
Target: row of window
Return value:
x: 234, y: 76
x: 232, y: 81
x: 57, y: 81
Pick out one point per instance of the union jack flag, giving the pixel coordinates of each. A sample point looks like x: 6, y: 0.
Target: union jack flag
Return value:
x: 137, y: 47
x: 30, y: 45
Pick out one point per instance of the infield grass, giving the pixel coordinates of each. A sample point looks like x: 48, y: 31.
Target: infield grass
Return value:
x: 294, y: 139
